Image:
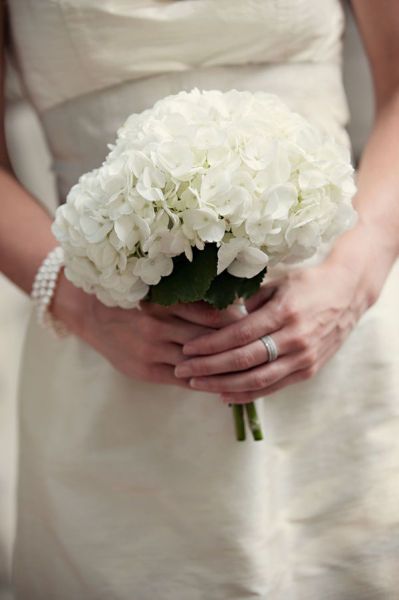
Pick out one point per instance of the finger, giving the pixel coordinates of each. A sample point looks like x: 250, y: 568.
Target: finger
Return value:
x: 295, y: 377
x: 265, y: 293
x: 243, y: 332
x: 287, y: 340
x: 157, y: 310
x: 239, y: 359
x: 169, y: 354
x: 169, y: 329
x: 160, y: 373
x: 252, y: 380
x: 244, y: 397
x: 200, y: 313
x: 181, y: 332
x: 204, y: 314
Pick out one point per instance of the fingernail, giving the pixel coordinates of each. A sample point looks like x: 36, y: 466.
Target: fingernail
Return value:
x: 196, y: 383
x: 182, y: 371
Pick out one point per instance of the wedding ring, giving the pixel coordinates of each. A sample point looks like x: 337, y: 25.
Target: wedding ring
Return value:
x: 270, y: 346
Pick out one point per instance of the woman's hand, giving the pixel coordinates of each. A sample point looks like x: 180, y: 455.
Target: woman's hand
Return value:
x: 144, y: 344
x: 309, y: 313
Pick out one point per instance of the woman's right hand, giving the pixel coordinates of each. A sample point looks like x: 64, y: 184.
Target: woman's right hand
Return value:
x: 143, y: 344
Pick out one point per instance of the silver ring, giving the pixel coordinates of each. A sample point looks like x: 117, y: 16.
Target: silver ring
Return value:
x: 271, y: 347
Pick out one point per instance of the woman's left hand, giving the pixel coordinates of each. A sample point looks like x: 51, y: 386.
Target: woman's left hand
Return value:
x: 308, y: 312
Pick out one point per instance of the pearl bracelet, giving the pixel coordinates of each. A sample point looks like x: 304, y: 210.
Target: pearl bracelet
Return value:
x: 43, y: 291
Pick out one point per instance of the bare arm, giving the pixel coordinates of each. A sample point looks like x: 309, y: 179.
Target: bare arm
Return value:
x: 25, y: 236
x: 377, y: 200
x: 141, y: 344
x: 311, y: 311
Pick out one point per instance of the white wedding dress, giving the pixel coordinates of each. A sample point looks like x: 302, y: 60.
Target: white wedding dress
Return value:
x: 133, y: 491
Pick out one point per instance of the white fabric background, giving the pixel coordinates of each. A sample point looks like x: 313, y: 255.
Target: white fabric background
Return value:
x: 31, y: 162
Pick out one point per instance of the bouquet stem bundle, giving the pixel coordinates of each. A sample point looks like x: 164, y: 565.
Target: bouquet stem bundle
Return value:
x: 239, y: 411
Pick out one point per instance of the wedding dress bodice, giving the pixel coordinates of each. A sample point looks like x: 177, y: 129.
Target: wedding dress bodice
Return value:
x: 88, y: 64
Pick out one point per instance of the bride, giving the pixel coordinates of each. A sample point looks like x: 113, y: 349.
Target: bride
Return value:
x: 131, y: 484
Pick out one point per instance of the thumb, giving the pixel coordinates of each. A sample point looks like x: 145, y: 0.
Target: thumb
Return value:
x: 265, y: 294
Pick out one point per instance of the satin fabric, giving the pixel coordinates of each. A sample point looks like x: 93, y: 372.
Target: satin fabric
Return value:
x: 133, y: 490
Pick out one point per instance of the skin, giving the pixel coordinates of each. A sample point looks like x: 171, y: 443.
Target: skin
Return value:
x: 309, y: 312
x: 145, y: 344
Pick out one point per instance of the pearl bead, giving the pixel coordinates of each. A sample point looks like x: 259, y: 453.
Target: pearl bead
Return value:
x: 43, y: 290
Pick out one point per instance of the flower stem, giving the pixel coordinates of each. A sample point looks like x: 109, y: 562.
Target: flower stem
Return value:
x: 239, y: 423
x: 254, y: 421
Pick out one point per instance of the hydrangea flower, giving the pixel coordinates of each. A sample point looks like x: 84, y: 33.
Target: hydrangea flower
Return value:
x: 235, y: 169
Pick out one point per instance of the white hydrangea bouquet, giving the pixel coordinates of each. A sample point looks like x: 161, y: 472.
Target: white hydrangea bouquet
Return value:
x: 197, y: 196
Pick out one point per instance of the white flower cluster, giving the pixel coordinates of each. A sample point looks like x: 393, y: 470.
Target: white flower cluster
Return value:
x: 237, y: 169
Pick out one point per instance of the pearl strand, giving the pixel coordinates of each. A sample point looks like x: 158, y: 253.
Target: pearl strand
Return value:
x: 43, y: 291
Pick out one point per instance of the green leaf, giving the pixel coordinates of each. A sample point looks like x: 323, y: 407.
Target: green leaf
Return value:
x: 225, y: 288
x: 189, y: 281
x: 249, y: 287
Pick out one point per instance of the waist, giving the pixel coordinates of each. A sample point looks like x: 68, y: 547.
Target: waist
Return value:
x: 79, y: 130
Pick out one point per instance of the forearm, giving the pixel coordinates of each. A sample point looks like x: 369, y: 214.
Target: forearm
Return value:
x: 25, y: 235
x: 371, y: 248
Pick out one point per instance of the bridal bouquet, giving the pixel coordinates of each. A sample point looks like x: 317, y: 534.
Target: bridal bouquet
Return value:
x: 197, y: 196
